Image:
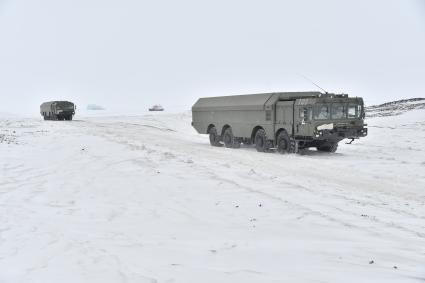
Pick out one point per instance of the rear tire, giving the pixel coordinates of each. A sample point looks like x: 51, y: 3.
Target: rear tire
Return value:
x: 283, y: 142
x: 214, y: 137
x: 262, y: 144
x: 328, y: 147
x: 229, y: 139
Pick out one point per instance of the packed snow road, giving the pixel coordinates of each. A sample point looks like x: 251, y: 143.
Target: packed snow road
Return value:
x: 147, y: 199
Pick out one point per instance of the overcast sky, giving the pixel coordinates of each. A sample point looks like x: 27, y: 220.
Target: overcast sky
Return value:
x: 130, y: 54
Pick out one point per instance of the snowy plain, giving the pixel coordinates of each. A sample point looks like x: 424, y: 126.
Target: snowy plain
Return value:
x: 147, y: 199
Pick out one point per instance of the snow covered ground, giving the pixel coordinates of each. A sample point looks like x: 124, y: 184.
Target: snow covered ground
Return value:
x: 147, y: 199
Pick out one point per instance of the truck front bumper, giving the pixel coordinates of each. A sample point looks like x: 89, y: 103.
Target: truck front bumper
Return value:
x: 341, y: 133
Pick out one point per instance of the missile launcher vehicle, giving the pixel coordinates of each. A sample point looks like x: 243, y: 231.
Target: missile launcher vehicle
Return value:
x: 57, y: 110
x: 284, y: 121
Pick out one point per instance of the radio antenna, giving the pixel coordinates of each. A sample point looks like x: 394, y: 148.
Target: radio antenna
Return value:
x: 313, y: 82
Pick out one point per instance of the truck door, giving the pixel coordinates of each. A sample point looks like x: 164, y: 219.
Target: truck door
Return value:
x: 285, y: 116
x: 303, y: 120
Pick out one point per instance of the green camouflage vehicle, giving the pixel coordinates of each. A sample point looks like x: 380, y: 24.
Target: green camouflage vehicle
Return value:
x: 57, y: 110
x: 286, y: 121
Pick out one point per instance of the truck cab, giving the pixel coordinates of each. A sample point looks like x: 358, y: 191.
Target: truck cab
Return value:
x: 323, y: 122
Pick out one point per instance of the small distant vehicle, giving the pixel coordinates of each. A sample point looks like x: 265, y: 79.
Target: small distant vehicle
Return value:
x: 95, y: 107
x: 285, y: 121
x: 156, y: 107
x: 57, y: 110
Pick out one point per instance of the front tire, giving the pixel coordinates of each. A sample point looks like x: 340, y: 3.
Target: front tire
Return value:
x: 214, y: 137
x: 262, y: 144
x: 283, y: 142
x: 328, y: 147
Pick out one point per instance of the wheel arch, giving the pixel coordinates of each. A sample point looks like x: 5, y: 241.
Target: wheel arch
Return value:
x: 225, y: 127
x: 210, y: 126
x: 254, y: 131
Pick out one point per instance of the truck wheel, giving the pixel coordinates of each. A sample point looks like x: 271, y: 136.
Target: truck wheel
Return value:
x: 228, y: 138
x: 262, y: 144
x: 328, y: 147
x: 214, y: 137
x: 283, y: 143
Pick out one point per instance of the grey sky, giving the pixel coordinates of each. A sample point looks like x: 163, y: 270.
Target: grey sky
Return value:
x: 131, y: 54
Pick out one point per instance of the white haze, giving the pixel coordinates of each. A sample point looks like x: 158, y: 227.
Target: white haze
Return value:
x: 128, y: 55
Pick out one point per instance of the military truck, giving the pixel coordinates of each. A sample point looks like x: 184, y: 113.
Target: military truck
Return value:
x: 284, y: 121
x: 57, y: 110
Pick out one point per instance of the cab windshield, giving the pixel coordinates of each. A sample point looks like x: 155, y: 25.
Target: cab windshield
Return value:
x: 354, y: 111
x: 337, y: 111
x: 65, y: 106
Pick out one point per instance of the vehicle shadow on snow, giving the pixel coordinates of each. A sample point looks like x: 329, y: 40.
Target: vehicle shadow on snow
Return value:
x: 312, y: 152
x: 63, y: 121
x: 302, y: 152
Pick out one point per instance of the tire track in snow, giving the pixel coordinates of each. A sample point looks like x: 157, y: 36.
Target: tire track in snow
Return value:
x: 123, y: 138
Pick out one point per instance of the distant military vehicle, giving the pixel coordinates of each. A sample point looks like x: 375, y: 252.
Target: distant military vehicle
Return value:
x: 156, y: 107
x: 286, y: 121
x: 57, y: 110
